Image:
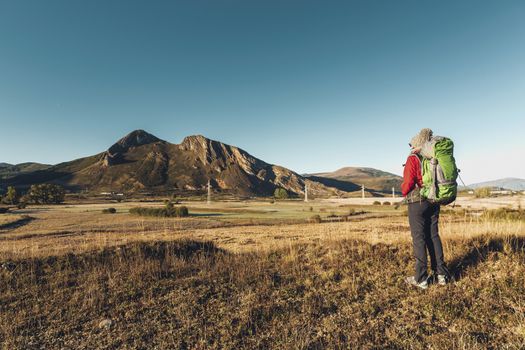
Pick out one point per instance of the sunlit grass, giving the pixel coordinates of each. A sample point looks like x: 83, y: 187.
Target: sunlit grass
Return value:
x: 256, y: 282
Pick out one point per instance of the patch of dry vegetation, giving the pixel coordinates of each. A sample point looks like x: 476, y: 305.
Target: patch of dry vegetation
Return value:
x: 13, y: 220
x: 329, y: 294
x: 252, y: 282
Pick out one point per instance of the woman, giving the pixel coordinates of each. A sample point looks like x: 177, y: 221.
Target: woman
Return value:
x: 423, y: 217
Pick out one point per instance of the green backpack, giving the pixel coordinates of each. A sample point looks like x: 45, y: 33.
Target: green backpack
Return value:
x: 439, y: 171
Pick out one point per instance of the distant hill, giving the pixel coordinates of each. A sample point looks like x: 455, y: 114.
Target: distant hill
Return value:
x: 354, y: 177
x: 141, y: 161
x: 509, y: 183
x: 10, y: 170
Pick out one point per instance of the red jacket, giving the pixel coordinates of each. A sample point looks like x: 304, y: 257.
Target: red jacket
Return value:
x: 411, y: 175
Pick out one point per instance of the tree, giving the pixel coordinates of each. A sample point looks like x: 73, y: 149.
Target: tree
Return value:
x: 47, y: 193
x: 11, y: 197
x: 280, y: 193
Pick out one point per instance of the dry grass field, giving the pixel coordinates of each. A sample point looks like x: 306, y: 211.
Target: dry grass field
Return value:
x: 254, y: 275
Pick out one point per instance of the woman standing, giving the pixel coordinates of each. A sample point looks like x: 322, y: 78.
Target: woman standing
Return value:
x: 423, y: 217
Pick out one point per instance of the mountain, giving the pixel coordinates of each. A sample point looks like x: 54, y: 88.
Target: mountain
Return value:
x: 509, y: 183
x: 10, y: 170
x: 353, y: 177
x: 141, y: 161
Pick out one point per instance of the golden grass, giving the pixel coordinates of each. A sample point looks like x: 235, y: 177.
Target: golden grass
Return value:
x: 7, y: 219
x: 336, y: 294
x: 206, y: 283
x: 54, y: 233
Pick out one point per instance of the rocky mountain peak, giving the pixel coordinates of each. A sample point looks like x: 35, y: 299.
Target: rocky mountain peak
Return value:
x: 194, y: 142
x: 135, y: 138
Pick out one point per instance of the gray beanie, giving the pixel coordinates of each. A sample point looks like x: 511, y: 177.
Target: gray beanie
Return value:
x: 423, y: 136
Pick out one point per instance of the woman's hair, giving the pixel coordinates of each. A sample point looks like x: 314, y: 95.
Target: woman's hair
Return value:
x: 423, y: 136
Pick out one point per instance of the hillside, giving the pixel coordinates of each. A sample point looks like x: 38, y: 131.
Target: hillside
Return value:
x: 141, y: 161
x: 10, y: 170
x: 354, y: 177
x: 509, y: 183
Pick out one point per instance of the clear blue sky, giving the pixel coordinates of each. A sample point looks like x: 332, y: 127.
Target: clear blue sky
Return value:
x: 310, y: 85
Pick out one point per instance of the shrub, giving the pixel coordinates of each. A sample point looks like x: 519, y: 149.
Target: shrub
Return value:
x: 179, y: 212
x: 109, y: 211
x: 280, y: 193
x: 316, y: 219
x: 3, y: 210
x: 482, y: 192
x: 376, y: 203
x: 21, y: 205
x: 387, y: 203
x: 182, y: 211
x: 25, y: 199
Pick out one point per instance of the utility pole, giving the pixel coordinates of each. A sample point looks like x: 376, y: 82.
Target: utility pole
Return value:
x: 209, y: 193
x: 305, y: 192
x: 363, y: 191
x: 393, y: 193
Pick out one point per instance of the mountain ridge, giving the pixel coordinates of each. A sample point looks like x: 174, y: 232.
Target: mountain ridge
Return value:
x: 140, y: 161
x: 509, y: 183
x: 373, y: 179
x: 8, y: 170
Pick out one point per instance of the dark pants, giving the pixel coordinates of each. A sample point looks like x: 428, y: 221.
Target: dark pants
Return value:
x: 423, y: 218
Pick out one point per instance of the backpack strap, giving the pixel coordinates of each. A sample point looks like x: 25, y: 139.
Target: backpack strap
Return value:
x: 420, y: 162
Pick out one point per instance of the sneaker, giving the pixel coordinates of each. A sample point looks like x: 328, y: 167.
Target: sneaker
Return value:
x: 412, y: 281
x: 442, y: 280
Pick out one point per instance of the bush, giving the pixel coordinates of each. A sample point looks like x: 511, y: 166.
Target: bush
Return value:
x: 387, y: 203
x: 482, y: 192
x: 3, y: 210
x: 280, y: 193
x: 21, y: 205
x: 376, y: 203
x: 109, y: 211
x: 182, y: 211
x: 25, y: 199
x: 178, y: 212
x: 316, y: 219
